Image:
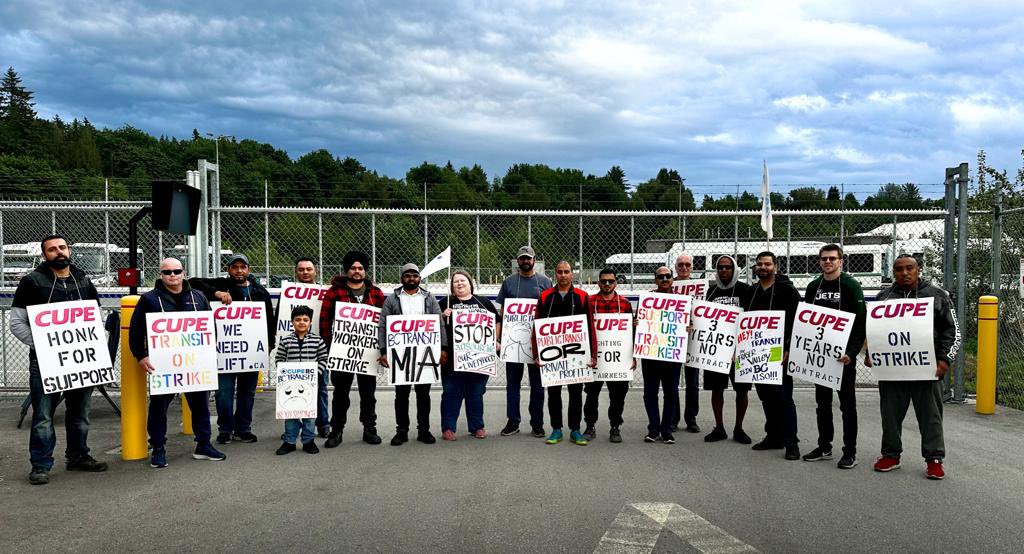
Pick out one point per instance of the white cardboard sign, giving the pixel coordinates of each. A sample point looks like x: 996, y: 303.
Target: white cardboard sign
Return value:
x: 900, y: 337
x: 819, y: 339
x: 71, y: 345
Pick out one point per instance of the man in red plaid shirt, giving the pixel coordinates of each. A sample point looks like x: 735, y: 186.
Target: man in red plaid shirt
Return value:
x: 356, y: 288
x: 607, y: 302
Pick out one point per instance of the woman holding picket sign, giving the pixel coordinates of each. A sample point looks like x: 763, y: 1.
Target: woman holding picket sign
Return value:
x: 476, y: 324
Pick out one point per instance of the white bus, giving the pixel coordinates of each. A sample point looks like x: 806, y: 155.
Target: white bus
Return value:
x: 18, y: 261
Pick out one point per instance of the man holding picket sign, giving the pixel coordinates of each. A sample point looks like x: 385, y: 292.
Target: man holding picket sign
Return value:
x: 613, y: 325
x: 684, y: 283
x: 836, y: 290
x: 913, y: 337
x: 56, y: 280
x: 727, y: 289
x: 660, y: 341
x: 416, y: 359
x: 234, y: 420
x: 571, y: 307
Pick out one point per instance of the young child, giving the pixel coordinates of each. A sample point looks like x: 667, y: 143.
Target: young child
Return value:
x: 301, y: 346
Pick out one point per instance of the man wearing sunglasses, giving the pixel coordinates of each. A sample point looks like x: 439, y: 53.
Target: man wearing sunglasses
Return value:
x: 238, y: 285
x: 727, y: 289
x: 606, y: 302
x: 691, y: 375
x: 663, y: 374
x: 838, y: 290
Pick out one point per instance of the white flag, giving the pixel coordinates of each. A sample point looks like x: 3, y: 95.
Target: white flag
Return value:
x: 766, y: 203
x: 441, y: 261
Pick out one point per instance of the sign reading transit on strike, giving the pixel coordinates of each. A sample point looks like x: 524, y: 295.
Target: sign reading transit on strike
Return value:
x: 900, y: 337
x: 696, y: 288
x: 819, y: 339
x: 414, y: 349
x: 71, y: 345
x: 759, y: 347
x: 241, y: 336
x: 296, y: 390
x: 183, y: 351
x: 563, y: 349
x: 661, y: 322
x: 473, y: 346
x: 354, y: 339
x: 298, y: 294
x: 517, y: 330
x: 614, y: 347
x: 712, y: 341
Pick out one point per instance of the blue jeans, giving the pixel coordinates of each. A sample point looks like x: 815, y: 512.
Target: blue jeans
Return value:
x: 41, y: 437
x: 323, y: 416
x: 456, y: 387
x: 515, y: 378
x: 156, y: 423
x: 292, y: 426
x: 665, y: 375
x: 241, y: 420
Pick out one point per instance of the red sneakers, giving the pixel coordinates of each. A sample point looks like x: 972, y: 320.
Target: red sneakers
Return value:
x: 480, y: 433
x: 448, y: 435
x: 935, y: 470
x: 887, y: 463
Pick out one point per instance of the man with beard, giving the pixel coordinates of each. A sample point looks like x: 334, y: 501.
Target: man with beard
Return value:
x: 727, y: 289
x: 607, y: 301
x: 55, y: 280
x: 410, y: 299
x: 691, y: 375
x: 235, y: 421
x: 776, y: 292
x: 526, y: 283
x: 664, y: 374
x: 355, y: 288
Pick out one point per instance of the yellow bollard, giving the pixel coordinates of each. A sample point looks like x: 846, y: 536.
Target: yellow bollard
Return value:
x: 988, y: 342
x: 186, y: 417
x: 133, y: 392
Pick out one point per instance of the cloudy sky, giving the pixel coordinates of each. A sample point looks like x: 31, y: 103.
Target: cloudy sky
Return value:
x: 827, y: 92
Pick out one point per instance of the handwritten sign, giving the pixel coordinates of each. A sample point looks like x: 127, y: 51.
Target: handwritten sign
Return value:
x: 819, y: 340
x: 712, y: 343
x: 563, y: 349
x: 298, y: 294
x: 614, y: 347
x: 901, y: 339
x: 296, y: 390
x: 414, y: 349
x: 759, y: 347
x: 70, y: 345
x: 517, y: 329
x: 473, y: 341
x: 183, y: 351
x: 354, y: 339
x: 241, y: 336
x: 661, y: 321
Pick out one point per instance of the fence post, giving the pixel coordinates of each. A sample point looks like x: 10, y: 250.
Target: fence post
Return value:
x: 789, y: 240
x: 961, y: 267
x: 477, y: 249
x: 632, y: 251
x: 997, y: 243
x: 580, y: 229
x: 373, y: 245
x: 684, y: 233
x: 426, y: 244
x: 53, y: 222
x: 529, y: 230
x: 2, y: 278
x: 320, y: 245
x: 266, y: 242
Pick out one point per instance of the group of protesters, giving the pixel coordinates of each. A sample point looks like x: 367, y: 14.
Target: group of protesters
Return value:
x: 58, y: 280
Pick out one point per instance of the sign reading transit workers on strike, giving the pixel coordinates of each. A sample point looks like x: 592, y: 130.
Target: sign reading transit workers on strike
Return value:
x: 819, y: 339
x: 614, y: 347
x: 473, y: 341
x: 661, y: 321
x: 900, y: 337
x: 712, y: 341
x: 517, y: 330
x: 241, y: 336
x: 354, y: 339
x: 183, y: 351
x: 298, y: 294
x: 296, y: 390
x: 71, y: 345
x: 759, y: 344
x: 563, y: 349
x: 414, y: 349
x: 696, y: 288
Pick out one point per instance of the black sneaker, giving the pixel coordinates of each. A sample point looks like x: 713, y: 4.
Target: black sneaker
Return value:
x: 223, y: 438
x: 39, y: 476
x: 675, y: 426
x: 716, y: 434
x: 652, y: 437
x: 817, y: 455
x: 246, y: 437
x: 310, y: 448
x: 614, y: 435
x: 324, y: 432
x: 539, y: 432
x: 767, y: 445
x: 667, y: 438
x: 589, y: 433
x: 400, y: 438
x: 692, y: 428
x: 426, y: 437
x: 370, y: 436
x: 848, y: 461
x: 285, y: 448
x: 333, y: 439
x: 740, y: 436
x: 510, y: 429
x: 87, y: 463
x: 792, y: 453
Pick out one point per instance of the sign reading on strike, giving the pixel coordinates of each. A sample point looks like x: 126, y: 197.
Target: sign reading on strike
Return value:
x: 614, y: 347
x: 712, y: 341
x: 296, y: 390
x: 759, y: 344
x: 354, y: 339
x: 71, y: 345
x: 298, y: 294
x: 473, y: 341
x: 900, y: 337
x: 183, y: 351
x: 241, y: 336
x: 661, y: 321
x: 696, y: 288
x: 517, y: 329
x: 414, y: 349
x: 819, y: 340
x: 563, y: 349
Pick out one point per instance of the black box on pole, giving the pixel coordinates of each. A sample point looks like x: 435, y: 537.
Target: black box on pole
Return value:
x: 175, y: 207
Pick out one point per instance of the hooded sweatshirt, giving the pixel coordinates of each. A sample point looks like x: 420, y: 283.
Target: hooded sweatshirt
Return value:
x: 42, y: 286
x: 947, y: 329
x: 842, y: 294
x: 782, y: 295
x: 727, y: 293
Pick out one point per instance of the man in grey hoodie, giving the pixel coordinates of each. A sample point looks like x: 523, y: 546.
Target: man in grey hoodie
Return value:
x: 410, y: 299
x: 726, y: 288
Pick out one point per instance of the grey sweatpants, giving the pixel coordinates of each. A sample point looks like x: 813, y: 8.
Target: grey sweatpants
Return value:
x: 895, y: 399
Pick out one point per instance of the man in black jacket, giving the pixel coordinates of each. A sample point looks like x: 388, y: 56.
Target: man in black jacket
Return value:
x: 55, y: 280
x: 776, y: 292
x: 238, y: 285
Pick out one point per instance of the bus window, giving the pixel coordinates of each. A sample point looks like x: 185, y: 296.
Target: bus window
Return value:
x: 860, y: 263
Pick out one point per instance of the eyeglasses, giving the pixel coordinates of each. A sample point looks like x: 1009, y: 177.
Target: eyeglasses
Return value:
x: 828, y: 258
x: 607, y: 281
x: 172, y: 271
x: 663, y: 277
x: 684, y: 264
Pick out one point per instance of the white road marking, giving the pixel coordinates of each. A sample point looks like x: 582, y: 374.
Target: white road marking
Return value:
x: 637, y: 527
